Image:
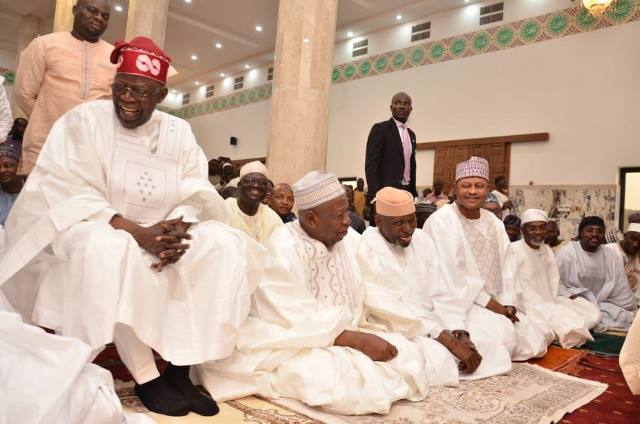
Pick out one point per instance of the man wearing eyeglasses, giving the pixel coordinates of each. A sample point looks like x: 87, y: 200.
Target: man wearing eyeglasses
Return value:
x: 59, y: 71
x: 247, y: 212
x: 118, y: 236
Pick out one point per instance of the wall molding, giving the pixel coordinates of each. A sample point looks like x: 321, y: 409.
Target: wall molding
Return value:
x: 558, y: 24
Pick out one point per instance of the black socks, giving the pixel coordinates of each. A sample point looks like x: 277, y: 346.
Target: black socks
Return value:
x: 198, y: 402
x: 160, y: 397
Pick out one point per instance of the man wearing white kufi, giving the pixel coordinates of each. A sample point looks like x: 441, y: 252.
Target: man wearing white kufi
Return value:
x: 116, y: 237
x: 536, y: 273
x: 400, y: 271
x: 247, y: 213
x: 628, y: 250
x: 303, y: 339
x: 477, y: 292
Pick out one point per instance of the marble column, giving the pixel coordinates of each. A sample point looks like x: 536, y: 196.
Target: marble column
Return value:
x: 30, y: 28
x: 63, y: 18
x: 147, y: 18
x: 301, y: 88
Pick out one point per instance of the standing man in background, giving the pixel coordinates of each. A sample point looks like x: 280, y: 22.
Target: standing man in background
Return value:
x: 391, y: 151
x: 59, y: 71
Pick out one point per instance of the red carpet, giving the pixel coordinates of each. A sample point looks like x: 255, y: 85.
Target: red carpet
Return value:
x: 615, y: 406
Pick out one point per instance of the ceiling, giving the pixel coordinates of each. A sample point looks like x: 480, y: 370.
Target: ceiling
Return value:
x: 194, y: 28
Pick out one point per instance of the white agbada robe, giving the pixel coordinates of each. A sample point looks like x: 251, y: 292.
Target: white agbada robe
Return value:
x: 67, y: 269
x: 599, y: 278
x: 308, y: 297
x: 475, y: 267
x: 47, y: 379
x: 259, y: 226
x: 400, y: 283
x: 537, y: 273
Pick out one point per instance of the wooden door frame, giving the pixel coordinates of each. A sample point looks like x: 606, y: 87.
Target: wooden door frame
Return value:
x: 623, y: 180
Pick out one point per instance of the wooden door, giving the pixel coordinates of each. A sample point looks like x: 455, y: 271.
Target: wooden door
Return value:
x: 446, y: 159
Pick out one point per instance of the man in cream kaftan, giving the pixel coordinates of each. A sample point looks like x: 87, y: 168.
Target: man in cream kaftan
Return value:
x: 309, y: 302
x: 399, y: 284
x: 477, y: 292
x: 99, y: 217
x: 537, y: 273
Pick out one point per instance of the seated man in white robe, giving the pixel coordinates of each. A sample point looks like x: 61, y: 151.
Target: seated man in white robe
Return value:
x: 568, y: 320
x: 303, y: 339
x: 247, y: 213
x: 47, y: 379
x: 478, y: 293
x: 628, y: 250
x: 595, y: 273
x: 114, y: 239
x: 400, y: 270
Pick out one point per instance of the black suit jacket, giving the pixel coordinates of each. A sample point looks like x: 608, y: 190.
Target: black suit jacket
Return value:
x: 384, y: 162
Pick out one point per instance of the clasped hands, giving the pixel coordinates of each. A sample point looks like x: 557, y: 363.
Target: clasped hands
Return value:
x: 165, y: 240
x: 460, y: 345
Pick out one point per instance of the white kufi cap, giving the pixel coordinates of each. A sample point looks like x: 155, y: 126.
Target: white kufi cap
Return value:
x: 316, y: 188
x: 253, y: 167
x: 532, y: 215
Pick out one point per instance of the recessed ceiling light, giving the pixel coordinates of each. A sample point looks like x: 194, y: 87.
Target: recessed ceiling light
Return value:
x: 466, y: 1
x: 305, y: 40
x: 187, y: 1
x: 197, y: 82
x: 194, y: 57
x: 259, y: 28
x: 350, y: 34
x: 247, y: 66
x: 222, y: 74
x: 398, y: 17
x: 218, y: 45
x: 118, y: 8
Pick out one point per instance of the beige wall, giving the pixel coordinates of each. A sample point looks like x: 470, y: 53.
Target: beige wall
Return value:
x: 248, y: 123
x: 583, y: 89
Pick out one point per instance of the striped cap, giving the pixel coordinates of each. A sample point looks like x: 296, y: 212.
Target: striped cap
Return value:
x: 474, y: 167
x: 316, y: 188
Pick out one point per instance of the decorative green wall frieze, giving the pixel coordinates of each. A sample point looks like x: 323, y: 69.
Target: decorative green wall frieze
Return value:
x: 553, y: 25
x: 231, y: 101
x: 557, y: 24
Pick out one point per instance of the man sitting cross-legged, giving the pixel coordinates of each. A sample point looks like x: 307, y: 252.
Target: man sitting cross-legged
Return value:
x: 595, y: 273
x: 400, y: 270
x: 303, y: 338
x: 536, y: 273
x: 479, y: 294
x: 114, y: 239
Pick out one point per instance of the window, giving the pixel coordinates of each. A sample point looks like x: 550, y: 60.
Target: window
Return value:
x: 270, y: 74
x: 210, y: 91
x: 360, y: 48
x: 629, y: 195
x: 185, y: 99
x: 491, y: 13
x: 238, y: 83
x: 421, y: 31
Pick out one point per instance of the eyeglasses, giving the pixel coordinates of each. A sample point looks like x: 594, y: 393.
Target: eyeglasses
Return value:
x: 139, y: 93
x: 249, y: 181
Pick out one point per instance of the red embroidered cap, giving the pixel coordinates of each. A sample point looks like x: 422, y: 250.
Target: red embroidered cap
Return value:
x: 141, y: 56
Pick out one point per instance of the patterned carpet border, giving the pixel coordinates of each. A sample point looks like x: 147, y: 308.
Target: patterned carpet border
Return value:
x: 529, y: 394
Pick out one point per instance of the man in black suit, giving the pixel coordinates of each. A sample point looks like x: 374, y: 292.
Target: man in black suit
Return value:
x: 391, y: 151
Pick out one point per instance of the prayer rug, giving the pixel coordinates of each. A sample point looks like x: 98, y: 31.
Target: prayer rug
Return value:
x: 608, y: 343
x: 566, y: 361
x: 528, y: 394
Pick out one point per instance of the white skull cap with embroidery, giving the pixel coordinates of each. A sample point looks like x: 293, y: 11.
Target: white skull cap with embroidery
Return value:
x: 253, y: 167
x: 533, y: 215
x: 316, y: 188
x: 635, y: 227
x: 474, y: 167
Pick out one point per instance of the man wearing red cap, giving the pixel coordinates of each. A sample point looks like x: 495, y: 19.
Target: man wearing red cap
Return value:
x: 119, y: 226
